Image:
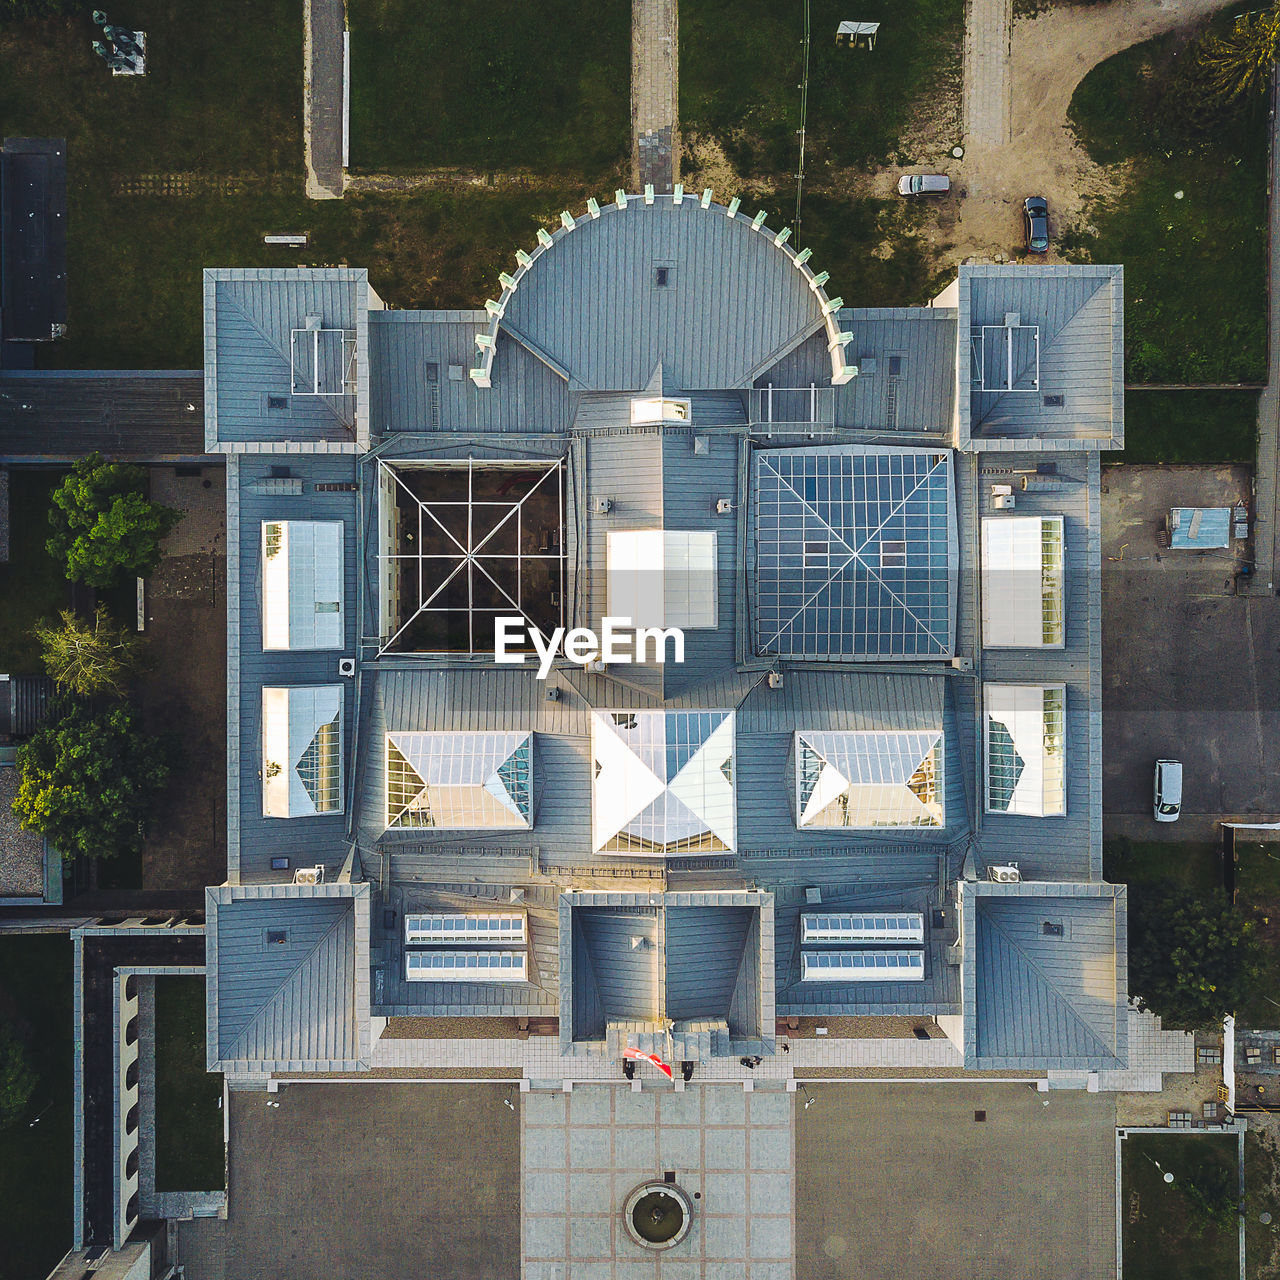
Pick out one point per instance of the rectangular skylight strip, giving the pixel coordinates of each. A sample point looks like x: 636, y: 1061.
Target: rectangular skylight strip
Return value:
x: 459, y: 927
x: 465, y: 966
x: 862, y: 966
x: 906, y: 926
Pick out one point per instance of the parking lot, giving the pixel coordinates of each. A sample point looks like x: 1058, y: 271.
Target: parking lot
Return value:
x: 905, y: 1180
x: 1190, y: 669
x: 367, y: 1182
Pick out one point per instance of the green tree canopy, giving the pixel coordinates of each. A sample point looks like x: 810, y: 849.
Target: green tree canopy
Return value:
x: 1192, y: 958
x: 89, y: 658
x: 89, y: 780
x: 1240, y: 63
x: 104, y: 527
x: 17, y: 1080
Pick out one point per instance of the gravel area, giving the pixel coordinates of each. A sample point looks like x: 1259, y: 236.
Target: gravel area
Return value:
x: 21, y: 851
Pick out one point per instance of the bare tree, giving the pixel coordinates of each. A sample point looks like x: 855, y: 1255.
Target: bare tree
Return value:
x: 88, y: 658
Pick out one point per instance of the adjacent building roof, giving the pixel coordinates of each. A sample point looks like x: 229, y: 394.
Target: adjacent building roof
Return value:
x: 1045, y: 976
x: 33, y: 239
x: 288, y: 977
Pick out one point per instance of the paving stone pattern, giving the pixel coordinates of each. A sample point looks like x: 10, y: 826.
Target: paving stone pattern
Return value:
x: 654, y: 28
x: 584, y: 1151
x: 987, y: 36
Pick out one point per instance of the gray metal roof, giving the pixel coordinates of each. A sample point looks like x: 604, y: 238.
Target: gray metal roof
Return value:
x: 1077, y: 311
x: 249, y: 318
x: 288, y: 977
x: 1045, y: 976
x: 637, y: 962
x: 906, y: 370
x: 734, y: 303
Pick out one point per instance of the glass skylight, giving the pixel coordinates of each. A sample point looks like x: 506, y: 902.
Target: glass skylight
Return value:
x: 302, y: 584
x: 861, y: 966
x: 1022, y: 582
x: 869, y: 780
x: 301, y: 751
x: 663, y: 782
x: 854, y: 551
x: 459, y: 781
x: 905, y: 926
x: 663, y: 578
x: 459, y: 927
x: 465, y: 966
x: 1025, y: 749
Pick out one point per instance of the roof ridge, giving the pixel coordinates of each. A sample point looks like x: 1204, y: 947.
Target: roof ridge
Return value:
x: 1051, y: 986
x: 267, y: 1004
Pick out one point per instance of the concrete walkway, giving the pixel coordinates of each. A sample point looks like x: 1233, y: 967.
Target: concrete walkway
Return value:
x: 987, y: 37
x: 1266, y: 494
x: 322, y: 97
x: 655, y: 154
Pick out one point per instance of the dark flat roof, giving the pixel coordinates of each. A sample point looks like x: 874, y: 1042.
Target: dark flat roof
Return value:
x: 33, y: 238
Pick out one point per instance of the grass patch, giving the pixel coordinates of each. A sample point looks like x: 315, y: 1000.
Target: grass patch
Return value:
x: 542, y: 87
x: 1189, y: 426
x: 740, y: 68
x: 189, y: 1149
x: 35, y: 1163
x: 1258, y: 898
x: 227, y: 129
x: 33, y: 586
x: 1169, y: 1233
x: 1195, y: 866
x: 1189, y: 223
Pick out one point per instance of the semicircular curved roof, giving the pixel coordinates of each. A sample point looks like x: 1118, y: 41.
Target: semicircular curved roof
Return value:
x: 731, y: 303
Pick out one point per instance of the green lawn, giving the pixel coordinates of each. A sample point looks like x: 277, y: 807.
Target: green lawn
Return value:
x: 1193, y: 866
x: 32, y: 585
x: 189, y: 1148
x: 1258, y: 897
x: 509, y: 85
x: 231, y: 125
x: 1189, y: 222
x: 740, y: 68
x: 1189, y: 426
x: 35, y: 1161
x: 1261, y: 1195
x: 1168, y: 1232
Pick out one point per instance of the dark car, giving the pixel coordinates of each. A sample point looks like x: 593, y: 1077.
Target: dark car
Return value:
x: 1035, y: 213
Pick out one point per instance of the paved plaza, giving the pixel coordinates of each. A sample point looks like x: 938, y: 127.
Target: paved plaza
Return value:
x: 897, y: 1180
x: 584, y: 1151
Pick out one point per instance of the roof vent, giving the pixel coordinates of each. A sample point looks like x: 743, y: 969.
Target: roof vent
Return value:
x: 638, y: 943
x: 314, y: 322
x: 277, y: 937
x: 1054, y: 402
x: 517, y: 895
x: 813, y: 896
x: 701, y: 446
x: 1052, y: 928
x: 1013, y: 319
x: 1007, y: 874
x: 724, y: 506
x: 775, y: 679
x: 346, y: 667
x: 455, y: 373
x: 602, y: 506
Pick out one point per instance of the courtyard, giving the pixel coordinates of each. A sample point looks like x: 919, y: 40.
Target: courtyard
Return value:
x: 965, y: 1181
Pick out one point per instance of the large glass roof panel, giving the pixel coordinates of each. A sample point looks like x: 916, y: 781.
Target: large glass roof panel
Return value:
x: 663, y: 577
x: 465, y: 966
x: 1025, y: 749
x: 663, y: 782
x: 1022, y: 582
x: 302, y: 589
x: 301, y: 751
x: 854, y: 552
x: 459, y: 781
x: 861, y: 966
x: 870, y: 780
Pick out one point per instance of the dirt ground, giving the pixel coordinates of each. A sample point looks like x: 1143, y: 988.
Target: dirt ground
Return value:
x: 1182, y: 1091
x: 185, y: 692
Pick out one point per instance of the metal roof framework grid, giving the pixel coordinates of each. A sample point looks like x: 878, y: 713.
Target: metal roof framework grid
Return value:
x: 468, y: 556
x: 347, y: 362
x: 1004, y: 346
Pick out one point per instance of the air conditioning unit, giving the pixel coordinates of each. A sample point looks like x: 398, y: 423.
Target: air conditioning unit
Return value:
x: 309, y: 875
x: 1008, y: 874
x: 346, y: 667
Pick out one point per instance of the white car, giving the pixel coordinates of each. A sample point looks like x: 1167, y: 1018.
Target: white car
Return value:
x: 921, y: 184
x: 1167, y: 802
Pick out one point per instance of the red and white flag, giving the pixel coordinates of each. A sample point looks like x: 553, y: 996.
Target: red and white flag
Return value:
x: 649, y: 1057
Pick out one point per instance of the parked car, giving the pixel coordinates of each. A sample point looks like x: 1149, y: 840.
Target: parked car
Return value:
x: 1035, y: 213
x: 1168, y: 790
x: 923, y: 184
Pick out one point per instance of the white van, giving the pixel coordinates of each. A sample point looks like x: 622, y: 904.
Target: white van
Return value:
x: 919, y: 184
x: 1168, y: 790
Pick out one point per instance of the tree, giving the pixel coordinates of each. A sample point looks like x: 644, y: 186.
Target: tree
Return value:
x: 1240, y: 63
x: 1192, y: 959
x: 89, y: 658
x: 17, y: 1080
x: 104, y: 527
x: 89, y: 780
